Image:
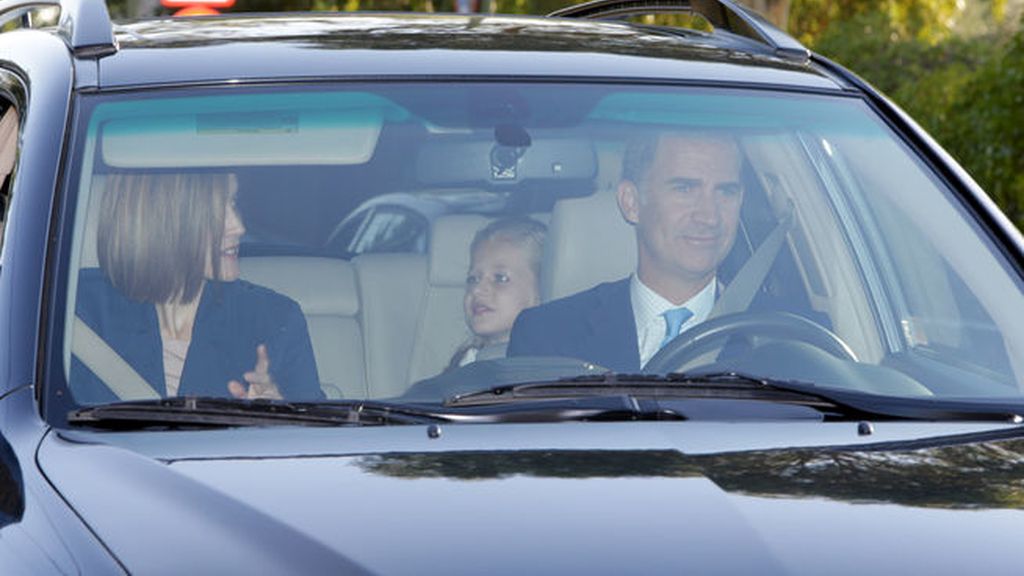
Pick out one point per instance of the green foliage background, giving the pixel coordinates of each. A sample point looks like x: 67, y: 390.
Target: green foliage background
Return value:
x: 963, y: 84
x: 956, y: 66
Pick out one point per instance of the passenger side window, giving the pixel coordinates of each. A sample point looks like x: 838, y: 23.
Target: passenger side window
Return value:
x: 346, y: 237
x: 8, y: 155
x: 392, y: 229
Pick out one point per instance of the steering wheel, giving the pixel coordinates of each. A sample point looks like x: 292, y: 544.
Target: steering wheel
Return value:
x: 773, y: 325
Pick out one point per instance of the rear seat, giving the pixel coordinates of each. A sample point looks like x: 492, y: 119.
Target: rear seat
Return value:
x: 391, y: 290
x: 442, y: 326
x: 325, y: 289
x: 412, y: 306
x: 576, y: 258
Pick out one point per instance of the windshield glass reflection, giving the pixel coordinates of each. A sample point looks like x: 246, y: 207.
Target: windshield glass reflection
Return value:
x: 421, y: 240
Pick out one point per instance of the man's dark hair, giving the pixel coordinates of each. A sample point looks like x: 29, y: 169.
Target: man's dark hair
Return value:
x: 641, y: 150
x: 639, y: 156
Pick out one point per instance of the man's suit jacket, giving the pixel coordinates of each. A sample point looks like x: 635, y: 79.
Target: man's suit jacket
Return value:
x: 596, y: 325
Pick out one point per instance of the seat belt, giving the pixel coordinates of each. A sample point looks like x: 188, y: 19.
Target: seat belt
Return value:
x: 108, y: 365
x: 738, y: 295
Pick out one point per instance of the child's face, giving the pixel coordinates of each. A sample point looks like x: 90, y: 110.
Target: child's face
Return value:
x: 500, y: 284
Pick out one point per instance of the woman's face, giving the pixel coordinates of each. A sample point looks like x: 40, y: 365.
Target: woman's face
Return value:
x: 500, y: 284
x: 233, y: 230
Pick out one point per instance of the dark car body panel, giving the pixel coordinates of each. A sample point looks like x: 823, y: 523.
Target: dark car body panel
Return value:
x: 40, y: 532
x: 558, y: 498
x: 26, y: 237
x: 659, y: 497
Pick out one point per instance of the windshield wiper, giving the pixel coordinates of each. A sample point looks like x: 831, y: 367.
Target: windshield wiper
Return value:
x: 201, y: 412
x: 730, y: 385
x: 208, y: 412
x: 833, y: 403
x: 608, y: 397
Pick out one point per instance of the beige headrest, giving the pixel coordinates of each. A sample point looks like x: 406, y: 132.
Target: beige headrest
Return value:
x: 588, y: 243
x: 319, y: 285
x: 449, y: 247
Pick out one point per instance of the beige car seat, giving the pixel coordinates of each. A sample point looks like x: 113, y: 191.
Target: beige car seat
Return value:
x: 588, y: 243
x: 391, y: 295
x: 325, y: 289
x: 442, y: 327
x: 412, y: 306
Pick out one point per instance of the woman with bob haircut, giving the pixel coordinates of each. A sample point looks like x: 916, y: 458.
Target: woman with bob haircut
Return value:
x: 168, y: 300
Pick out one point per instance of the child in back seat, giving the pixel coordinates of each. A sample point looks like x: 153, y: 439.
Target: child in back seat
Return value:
x: 503, y: 280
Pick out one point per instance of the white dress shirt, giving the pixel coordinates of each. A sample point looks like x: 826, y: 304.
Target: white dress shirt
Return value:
x: 648, y: 307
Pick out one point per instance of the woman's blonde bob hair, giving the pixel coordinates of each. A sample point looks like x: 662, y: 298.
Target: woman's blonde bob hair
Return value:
x: 159, y: 233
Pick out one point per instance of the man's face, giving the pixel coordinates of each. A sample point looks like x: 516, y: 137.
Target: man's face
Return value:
x: 687, y: 207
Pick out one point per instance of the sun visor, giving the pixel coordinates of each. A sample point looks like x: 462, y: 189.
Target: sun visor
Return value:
x: 739, y: 111
x: 245, y: 130
x: 489, y: 161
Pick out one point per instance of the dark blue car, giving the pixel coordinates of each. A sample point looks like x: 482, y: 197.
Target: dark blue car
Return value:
x: 728, y: 310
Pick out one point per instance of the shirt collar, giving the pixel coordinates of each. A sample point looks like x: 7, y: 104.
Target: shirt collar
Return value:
x: 648, y: 304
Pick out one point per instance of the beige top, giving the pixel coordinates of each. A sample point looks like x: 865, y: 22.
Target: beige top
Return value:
x: 174, y: 363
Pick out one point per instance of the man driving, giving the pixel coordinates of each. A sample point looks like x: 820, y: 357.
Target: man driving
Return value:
x: 682, y: 193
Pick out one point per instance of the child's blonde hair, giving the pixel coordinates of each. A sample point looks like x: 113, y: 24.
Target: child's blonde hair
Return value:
x: 521, y: 231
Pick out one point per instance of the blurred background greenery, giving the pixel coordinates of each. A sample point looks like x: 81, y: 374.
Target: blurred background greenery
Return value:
x: 956, y: 66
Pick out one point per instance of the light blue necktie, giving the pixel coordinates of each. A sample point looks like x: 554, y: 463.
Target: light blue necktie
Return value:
x: 674, y: 320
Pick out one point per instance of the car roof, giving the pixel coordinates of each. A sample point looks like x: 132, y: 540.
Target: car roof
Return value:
x: 319, y: 46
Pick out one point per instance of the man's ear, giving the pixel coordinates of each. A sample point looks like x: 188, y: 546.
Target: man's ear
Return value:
x: 629, y: 201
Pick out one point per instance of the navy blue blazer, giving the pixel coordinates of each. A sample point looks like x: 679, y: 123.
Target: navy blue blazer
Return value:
x: 232, y: 320
x: 596, y: 325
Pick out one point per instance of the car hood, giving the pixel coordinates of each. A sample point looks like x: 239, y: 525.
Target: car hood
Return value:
x: 557, y: 498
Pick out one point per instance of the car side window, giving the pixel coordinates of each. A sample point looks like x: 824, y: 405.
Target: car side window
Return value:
x: 348, y: 234
x: 392, y: 229
x: 8, y: 155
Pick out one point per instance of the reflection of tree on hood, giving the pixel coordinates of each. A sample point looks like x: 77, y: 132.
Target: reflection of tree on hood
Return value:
x: 989, y: 475
x: 543, y: 464
x: 983, y: 475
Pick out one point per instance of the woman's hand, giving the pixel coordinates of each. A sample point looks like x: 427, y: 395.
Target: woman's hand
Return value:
x: 260, y: 384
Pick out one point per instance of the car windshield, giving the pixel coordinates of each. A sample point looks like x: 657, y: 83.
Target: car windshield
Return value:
x: 418, y: 240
